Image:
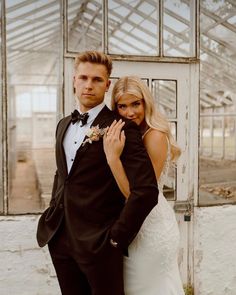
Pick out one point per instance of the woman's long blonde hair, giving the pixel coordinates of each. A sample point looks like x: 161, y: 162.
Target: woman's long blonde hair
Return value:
x: 154, y: 119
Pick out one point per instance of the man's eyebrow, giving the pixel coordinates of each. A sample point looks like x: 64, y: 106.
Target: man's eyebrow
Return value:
x: 98, y: 77
x: 82, y: 75
x: 95, y: 77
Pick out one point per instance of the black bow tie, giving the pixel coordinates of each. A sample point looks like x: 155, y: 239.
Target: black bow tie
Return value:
x: 76, y: 116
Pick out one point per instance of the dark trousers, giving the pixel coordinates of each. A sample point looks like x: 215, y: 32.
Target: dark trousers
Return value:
x: 104, y: 277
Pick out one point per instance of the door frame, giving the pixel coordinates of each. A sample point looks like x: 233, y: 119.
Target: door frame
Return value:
x: 187, y: 78
x: 187, y: 117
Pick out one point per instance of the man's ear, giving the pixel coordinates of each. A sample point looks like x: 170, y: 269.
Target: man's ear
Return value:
x: 108, y: 85
x: 74, y: 84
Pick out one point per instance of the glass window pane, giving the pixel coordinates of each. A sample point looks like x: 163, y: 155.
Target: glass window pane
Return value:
x: 230, y: 139
x: 206, y: 144
x: 217, y: 137
x: 133, y: 27
x: 165, y: 96
x: 164, y: 93
x: 217, y: 154
x: 33, y: 51
x: 222, y: 8
x: 84, y: 25
x: 217, y: 158
x: 179, y: 28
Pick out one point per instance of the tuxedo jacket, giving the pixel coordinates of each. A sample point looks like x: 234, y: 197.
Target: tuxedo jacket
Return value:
x: 88, y: 198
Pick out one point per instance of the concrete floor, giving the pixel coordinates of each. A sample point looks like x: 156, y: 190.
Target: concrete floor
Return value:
x: 24, y: 195
x: 31, y: 186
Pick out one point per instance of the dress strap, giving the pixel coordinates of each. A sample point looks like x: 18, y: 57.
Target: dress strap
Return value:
x: 149, y: 129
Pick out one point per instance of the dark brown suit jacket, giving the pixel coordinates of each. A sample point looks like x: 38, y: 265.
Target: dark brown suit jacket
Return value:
x: 88, y: 198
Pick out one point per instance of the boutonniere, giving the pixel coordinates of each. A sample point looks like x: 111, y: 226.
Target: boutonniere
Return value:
x: 94, y: 134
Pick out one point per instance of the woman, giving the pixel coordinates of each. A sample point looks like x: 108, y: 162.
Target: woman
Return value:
x: 151, y: 268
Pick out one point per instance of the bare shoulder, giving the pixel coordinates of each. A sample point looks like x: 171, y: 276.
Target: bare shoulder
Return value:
x: 155, y: 138
x: 156, y: 145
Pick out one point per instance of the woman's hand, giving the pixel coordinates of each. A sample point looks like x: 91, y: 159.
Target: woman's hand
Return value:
x: 114, y: 141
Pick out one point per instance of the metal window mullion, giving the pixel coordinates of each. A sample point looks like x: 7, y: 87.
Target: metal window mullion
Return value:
x: 105, y: 26
x: 234, y: 156
x: 201, y: 146
x: 151, y: 88
x: 4, y: 111
x: 63, y: 48
x: 211, y: 135
x: 192, y: 23
x: 160, y: 11
x: 223, y: 137
x: 65, y: 25
x: 194, y: 28
x: 197, y: 28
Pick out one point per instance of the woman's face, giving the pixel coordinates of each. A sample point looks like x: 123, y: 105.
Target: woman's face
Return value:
x: 131, y: 107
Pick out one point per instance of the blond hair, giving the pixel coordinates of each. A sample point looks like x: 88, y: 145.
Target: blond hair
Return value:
x: 95, y: 57
x: 154, y: 119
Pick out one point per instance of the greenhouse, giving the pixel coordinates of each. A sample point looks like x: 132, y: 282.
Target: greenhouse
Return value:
x: 185, y: 51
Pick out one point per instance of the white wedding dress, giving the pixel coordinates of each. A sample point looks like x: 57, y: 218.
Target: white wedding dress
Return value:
x: 152, y: 268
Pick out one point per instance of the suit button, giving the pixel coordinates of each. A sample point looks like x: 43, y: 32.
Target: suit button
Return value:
x: 61, y: 206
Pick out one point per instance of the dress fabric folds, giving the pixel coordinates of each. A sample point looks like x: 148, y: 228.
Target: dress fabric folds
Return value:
x: 152, y: 265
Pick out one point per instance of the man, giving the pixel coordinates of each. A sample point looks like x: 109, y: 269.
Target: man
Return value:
x: 89, y: 226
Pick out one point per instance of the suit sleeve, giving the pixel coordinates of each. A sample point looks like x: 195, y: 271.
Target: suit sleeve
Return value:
x: 143, y: 188
x: 55, y: 181
x: 54, y: 187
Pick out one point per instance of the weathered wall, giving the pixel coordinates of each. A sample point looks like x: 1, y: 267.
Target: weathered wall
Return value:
x: 215, y: 250
x: 25, y: 269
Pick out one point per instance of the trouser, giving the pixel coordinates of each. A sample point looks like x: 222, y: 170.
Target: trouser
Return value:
x: 102, y: 277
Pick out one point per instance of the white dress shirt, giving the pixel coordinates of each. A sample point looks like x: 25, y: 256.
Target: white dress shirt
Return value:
x: 75, y: 135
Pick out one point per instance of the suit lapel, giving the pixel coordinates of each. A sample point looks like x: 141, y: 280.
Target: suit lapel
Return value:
x: 60, y: 148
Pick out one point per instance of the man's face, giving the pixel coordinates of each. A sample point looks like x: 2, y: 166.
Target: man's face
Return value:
x: 90, y: 83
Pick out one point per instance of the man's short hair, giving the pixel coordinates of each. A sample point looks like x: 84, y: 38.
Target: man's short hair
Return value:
x: 95, y: 57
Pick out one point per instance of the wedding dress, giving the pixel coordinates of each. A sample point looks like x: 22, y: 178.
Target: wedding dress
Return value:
x: 152, y: 267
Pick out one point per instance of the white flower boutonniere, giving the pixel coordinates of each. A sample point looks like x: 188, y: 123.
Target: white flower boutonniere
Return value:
x: 94, y: 134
